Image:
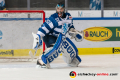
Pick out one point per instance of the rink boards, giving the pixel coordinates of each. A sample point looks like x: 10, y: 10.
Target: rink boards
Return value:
x: 102, y: 36
x: 82, y: 51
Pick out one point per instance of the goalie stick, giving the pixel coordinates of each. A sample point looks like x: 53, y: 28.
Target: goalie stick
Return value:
x: 38, y: 45
x: 31, y: 54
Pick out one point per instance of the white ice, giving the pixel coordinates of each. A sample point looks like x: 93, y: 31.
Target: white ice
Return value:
x: 60, y: 71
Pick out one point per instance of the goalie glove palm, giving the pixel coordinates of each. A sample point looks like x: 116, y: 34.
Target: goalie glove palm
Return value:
x: 37, y: 41
x: 76, y: 34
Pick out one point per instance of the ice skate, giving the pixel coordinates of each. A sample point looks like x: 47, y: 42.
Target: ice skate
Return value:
x: 40, y: 64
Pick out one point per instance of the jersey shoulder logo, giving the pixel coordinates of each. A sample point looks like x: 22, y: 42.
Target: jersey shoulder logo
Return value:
x: 57, y: 19
x: 48, y: 21
x: 70, y: 17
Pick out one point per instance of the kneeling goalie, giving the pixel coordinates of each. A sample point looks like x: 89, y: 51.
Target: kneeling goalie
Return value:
x: 53, y: 33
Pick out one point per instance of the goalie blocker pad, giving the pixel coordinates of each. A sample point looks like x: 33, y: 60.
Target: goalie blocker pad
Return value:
x: 64, y: 46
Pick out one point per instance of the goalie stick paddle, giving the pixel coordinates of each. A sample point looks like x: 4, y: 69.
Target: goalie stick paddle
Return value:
x: 31, y: 54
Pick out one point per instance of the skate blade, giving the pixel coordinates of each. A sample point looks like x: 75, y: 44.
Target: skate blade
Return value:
x: 38, y: 66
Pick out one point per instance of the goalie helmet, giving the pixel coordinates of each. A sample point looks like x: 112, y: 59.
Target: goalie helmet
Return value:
x: 62, y: 5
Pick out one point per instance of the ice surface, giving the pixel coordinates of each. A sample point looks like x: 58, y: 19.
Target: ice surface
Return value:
x: 60, y: 71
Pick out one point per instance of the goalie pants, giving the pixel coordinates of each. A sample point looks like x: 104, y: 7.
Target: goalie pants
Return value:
x: 49, y: 40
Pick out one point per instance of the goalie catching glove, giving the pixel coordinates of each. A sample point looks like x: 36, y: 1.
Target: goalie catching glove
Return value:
x: 37, y: 41
x: 76, y: 34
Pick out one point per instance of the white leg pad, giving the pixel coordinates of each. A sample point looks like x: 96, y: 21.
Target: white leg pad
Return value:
x: 66, y: 58
x: 75, y: 62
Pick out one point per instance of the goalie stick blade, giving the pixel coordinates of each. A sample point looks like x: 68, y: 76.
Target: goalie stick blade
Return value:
x: 31, y: 55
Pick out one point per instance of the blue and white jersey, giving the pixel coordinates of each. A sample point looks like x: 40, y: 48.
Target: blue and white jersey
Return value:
x: 55, y: 25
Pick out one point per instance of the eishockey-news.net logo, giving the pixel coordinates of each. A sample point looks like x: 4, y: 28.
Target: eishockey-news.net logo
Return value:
x: 73, y: 74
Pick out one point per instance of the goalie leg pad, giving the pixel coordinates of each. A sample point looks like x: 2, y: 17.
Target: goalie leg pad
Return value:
x: 75, y: 62
x: 70, y: 53
x: 54, y: 52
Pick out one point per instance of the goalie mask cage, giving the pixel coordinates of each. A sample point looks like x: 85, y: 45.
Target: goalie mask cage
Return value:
x: 16, y: 27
